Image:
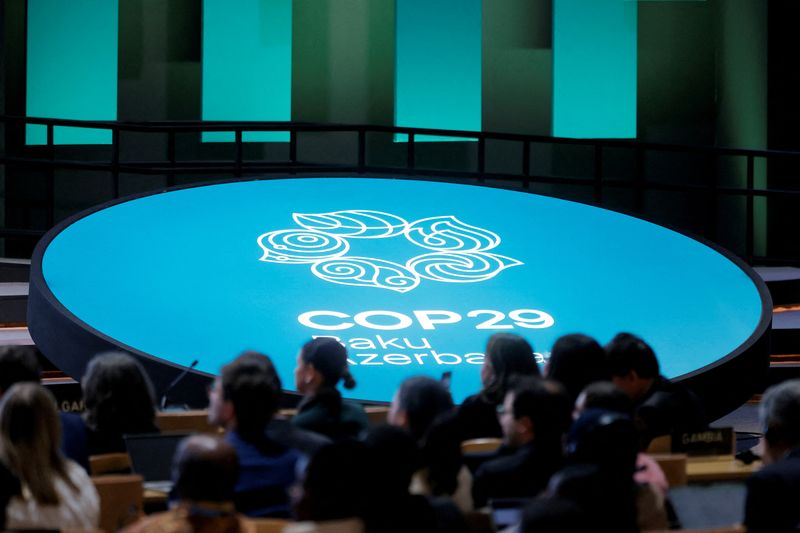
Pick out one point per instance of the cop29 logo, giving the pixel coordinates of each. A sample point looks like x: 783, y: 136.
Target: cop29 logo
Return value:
x: 455, y: 252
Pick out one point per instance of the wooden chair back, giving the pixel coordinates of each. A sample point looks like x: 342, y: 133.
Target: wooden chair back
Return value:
x: 195, y: 421
x: 674, y: 467
x: 109, y: 463
x: 485, y: 445
x: 120, y: 500
x: 662, y: 444
x: 266, y: 525
x: 377, y: 414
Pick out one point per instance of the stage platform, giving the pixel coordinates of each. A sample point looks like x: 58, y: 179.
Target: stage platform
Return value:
x: 413, y: 276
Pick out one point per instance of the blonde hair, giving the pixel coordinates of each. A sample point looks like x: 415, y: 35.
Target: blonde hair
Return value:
x: 30, y: 437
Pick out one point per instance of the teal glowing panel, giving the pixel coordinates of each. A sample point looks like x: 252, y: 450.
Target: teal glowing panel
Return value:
x: 247, y: 64
x: 72, y: 67
x: 594, y: 68
x: 438, y: 65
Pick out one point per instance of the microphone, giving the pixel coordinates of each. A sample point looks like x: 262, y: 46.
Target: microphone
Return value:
x: 175, y: 382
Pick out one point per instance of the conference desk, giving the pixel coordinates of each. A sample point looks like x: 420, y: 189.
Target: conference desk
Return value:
x: 718, y: 468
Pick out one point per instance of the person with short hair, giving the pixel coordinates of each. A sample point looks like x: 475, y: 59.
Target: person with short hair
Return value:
x: 507, y: 356
x: 321, y: 365
x: 773, y: 491
x: 242, y: 400
x: 534, y: 416
x: 39, y: 488
x: 204, y: 472
x: 425, y: 408
x: 662, y: 407
x: 119, y: 400
x: 576, y: 360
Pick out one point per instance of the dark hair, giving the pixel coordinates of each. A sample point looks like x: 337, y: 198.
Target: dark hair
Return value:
x: 392, y: 458
x: 423, y: 399
x: 606, y: 395
x: 577, y: 360
x: 334, y: 483
x: 251, y: 384
x: 628, y: 352
x: 607, y: 439
x: 432, y: 422
x: 205, y: 468
x: 118, y: 395
x: 329, y: 358
x: 18, y: 364
x: 546, y: 404
x: 509, y: 355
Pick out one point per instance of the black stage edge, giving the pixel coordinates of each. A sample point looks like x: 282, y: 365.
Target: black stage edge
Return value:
x: 70, y: 343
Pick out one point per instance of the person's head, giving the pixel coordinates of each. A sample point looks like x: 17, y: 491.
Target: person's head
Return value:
x: 507, y: 355
x: 17, y: 364
x: 604, y: 395
x: 632, y: 364
x: 534, y: 409
x: 245, y: 396
x: 322, y: 363
x: 30, y: 437
x: 392, y: 458
x: 779, y: 414
x: 205, y: 468
x: 577, y: 360
x: 334, y: 483
x: 417, y: 403
x: 606, y: 439
x: 118, y: 395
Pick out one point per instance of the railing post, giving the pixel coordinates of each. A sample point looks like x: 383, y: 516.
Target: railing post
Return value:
x: 239, y: 152
x: 598, y: 174
x: 50, y: 193
x: 362, y: 149
x: 410, y: 153
x: 115, y: 161
x: 171, y: 156
x: 481, y: 158
x: 750, y: 208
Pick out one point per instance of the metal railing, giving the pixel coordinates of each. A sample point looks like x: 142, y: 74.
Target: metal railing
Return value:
x: 43, y: 157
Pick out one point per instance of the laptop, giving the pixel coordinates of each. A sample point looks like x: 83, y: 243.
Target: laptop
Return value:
x: 151, y: 457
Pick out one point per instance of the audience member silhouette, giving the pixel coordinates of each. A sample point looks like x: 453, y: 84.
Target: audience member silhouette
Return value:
x: 553, y: 515
x: 204, y: 470
x: 391, y: 461
x: 577, y: 360
x: 242, y: 400
x: 19, y: 364
x: 601, y: 452
x: 119, y: 400
x: 39, y: 488
x: 662, y: 407
x: 507, y: 355
x: 534, y: 415
x: 321, y: 364
x: 424, y: 406
x: 773, y: 491
x: 334, y: 488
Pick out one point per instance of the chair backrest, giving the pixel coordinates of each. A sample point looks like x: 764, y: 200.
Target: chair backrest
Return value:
x: 484, y: 445
x: 674, y: 467
x: 120, y: 500
x: 377, y: 414
x: 195, y: 421
x: 662, y: 444
x: 109, y: 463
x: 267, y: 525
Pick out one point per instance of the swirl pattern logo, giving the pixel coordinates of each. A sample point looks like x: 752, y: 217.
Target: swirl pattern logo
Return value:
x: 452, y: 251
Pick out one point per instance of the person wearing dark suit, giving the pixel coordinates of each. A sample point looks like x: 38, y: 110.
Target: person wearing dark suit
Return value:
x: 773, y: 492
x: 662, y: 407
x: 534, y: 416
